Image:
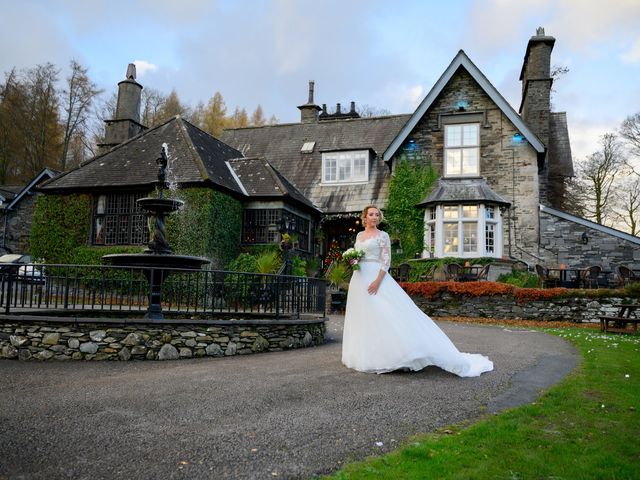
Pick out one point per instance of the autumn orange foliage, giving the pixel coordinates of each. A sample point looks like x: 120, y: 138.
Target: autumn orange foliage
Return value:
x: 479, y: 289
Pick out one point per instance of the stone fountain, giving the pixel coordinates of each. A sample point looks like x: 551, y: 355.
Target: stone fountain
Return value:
x: 157, y: 261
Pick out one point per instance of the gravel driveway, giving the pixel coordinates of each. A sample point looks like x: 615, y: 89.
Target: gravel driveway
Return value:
x: 291, y: 414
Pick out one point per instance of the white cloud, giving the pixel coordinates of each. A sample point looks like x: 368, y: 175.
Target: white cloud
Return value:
x: 633, y: 54
x: 403, y: 98
x: 142, y: 67
x: 581, y: 24
x: 585, y: 137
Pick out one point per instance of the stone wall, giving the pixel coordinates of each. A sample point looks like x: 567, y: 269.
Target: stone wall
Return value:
x: 510, y: 170
x: 61, y: 339
x: 18, y: 224
x: 506, y: 307
x: 561, y: 242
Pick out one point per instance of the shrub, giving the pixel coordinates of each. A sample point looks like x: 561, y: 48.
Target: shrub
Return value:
x: 268, y: 262
x: 520, y: 278
x: 338, y: 275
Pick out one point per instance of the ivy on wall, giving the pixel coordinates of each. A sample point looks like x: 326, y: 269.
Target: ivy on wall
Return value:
x: 410, y: 184
x: 209, y: 225
x: 60, y: 225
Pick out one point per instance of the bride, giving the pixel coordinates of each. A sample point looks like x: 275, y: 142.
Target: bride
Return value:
x: 383, y: 329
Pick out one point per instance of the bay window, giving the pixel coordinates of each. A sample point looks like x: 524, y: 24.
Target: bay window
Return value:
x: 463, y: 231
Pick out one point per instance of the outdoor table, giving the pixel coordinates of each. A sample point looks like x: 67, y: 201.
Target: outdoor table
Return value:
x: 470, y: 273
x: 620, y: 321
x: 568, y: 277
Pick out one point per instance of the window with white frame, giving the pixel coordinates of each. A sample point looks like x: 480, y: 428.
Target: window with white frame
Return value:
x: 462, y: 150
x: 490, y: 230
x: 463, y: 231
x: 430, y: 230
x: 345, y: 167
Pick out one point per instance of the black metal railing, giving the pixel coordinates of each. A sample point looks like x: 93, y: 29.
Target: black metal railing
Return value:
x: 205, y: 293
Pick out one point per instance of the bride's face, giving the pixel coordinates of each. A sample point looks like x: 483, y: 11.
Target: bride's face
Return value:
x: 373, y: 217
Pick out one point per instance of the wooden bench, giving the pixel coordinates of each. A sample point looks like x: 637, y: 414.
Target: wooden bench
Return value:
x: 621, y: 320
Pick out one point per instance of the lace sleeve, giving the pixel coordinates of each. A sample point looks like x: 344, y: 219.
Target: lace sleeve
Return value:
x: 385, y: 251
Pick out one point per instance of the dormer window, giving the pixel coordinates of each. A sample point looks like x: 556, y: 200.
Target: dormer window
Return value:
x: 462, y: 150
x: 345, y: 167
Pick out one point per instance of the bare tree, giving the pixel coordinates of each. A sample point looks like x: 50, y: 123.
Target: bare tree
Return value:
x: 105, y: 109
x: 629, y: 204
x: 576, y: 197
x: 598, y: 173
x: 152, y: 103
x: 366, y: 111
x: 77, y: 98
x: 630, y: 132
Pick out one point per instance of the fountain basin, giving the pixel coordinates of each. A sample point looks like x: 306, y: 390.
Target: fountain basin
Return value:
x: 160, y: 205
x: 154, y: 260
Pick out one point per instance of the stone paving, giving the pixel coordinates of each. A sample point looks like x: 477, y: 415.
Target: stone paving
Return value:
x: 293, y: 414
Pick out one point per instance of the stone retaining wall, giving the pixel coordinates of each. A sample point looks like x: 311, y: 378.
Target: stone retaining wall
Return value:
x: 503, y: 306
x: 57, y: 339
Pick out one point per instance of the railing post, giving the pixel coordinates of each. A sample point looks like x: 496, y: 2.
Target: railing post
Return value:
x: 9, y: 292
x: 278, y: 296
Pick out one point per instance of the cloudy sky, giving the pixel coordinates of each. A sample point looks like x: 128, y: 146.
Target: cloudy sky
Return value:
x: 376, y: 52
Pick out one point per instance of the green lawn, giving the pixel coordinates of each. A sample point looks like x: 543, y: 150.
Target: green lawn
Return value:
x: 586, y: 427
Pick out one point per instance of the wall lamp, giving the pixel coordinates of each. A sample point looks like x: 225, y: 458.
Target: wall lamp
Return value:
x: 585, y: 238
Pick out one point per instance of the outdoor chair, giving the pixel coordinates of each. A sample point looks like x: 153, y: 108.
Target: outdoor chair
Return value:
x: 589, y: 276
x: 402, y: 273
x: 452, y: 272
x: 484, y: 273
x: 625, y: 276
x: 546, y: 281
x: 429, y: 274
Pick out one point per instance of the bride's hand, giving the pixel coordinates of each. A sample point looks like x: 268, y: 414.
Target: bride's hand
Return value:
x: 373, y: 287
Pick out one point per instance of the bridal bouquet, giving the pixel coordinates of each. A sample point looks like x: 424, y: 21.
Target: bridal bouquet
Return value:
x: 353, y: 256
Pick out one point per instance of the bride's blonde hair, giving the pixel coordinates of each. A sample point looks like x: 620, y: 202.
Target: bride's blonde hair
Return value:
x: 363, y: 216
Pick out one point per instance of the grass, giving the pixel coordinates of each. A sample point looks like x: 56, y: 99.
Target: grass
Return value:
x: 585, y: 428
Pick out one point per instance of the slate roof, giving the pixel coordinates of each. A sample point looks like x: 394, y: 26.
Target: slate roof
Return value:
x: 8, y: 192
x: 258, y: 178
x: 559, y: 155
x: 195, y: 157
x: 463, y: 190
x: 13, y: 194
x: 281, y: 144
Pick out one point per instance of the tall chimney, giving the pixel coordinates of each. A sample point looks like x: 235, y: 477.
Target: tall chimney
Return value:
x: 126, y: 123
x: 535, y: 107
x: 309, y: 111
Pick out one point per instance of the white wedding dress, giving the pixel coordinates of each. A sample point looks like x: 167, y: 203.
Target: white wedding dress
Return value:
x: 387, y: 331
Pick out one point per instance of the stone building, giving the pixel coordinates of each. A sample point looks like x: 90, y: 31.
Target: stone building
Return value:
x: 502, y: 172
x: 17, y: 204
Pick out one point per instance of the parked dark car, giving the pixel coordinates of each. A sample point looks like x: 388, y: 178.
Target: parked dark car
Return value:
x: 21, y: 265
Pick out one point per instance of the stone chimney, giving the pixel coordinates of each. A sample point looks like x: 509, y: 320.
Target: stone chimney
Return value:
x: 309, y: 111
x: 126, y: 123
x: 535, y: 107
